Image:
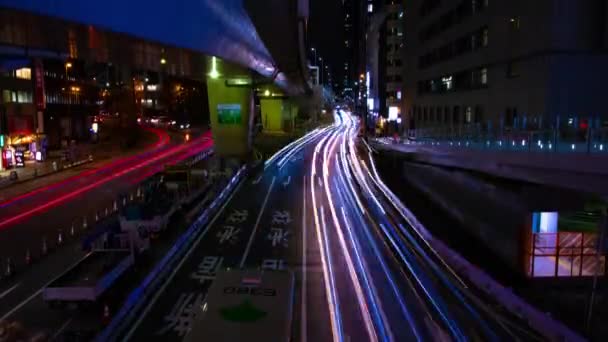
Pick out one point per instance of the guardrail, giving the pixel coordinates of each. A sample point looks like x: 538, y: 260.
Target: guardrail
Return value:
x: 591, y: 140
x: 11, y: 265
x: 153, y: 280
x: 14, y: 178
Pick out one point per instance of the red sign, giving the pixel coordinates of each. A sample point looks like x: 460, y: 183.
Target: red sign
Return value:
x: 39, y: 85
x: 20, y: 124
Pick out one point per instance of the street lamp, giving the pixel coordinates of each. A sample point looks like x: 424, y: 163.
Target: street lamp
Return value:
x: 214, y: 73
x: 68, y: 65
x: 322, y: 68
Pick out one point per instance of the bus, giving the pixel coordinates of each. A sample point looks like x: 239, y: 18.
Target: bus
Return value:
x: 253, y: 305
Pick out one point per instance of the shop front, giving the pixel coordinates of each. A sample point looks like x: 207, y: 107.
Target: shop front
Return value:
x: 23, y: 150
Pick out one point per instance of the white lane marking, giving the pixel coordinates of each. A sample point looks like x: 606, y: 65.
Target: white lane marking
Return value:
x: 5, y: 293
x: 303, y: 332
x: 176, y: 269
x: 61, y: 329
x: 286, y: 183
x: 257, y: 180
x: 28, y: 299
x: 320, y: 182
x: 257, y: 223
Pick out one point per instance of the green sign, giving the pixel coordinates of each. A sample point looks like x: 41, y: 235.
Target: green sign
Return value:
x: 244, y: 312
x: 229, y: 114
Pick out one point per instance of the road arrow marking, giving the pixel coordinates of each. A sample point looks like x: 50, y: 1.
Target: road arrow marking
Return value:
x: 257, y: 180
x: 286, y: 183
x: 5, y: 293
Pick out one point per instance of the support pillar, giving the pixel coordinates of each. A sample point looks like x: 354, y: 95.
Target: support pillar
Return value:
x: 230, y: 108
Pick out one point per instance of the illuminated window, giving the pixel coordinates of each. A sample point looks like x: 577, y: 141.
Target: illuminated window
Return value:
x: 24, y: 73
x: 514, y: 23
x: 447, y: 82
x: 484, y: 37
x: 398, y: 94
x: 152, y: 87
x: 6, y: 96
x: 24, y: 97
x: 484, y: 76
x: 468, y: 114
x: 370, y: 8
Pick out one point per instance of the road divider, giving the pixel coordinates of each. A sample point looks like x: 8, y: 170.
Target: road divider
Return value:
x: 24, y: 259
x: 141, y: 295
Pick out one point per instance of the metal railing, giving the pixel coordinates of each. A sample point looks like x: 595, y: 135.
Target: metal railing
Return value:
x: 562, y: 140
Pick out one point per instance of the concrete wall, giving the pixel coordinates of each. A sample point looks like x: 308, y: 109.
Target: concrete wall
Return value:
x: 498, y: 226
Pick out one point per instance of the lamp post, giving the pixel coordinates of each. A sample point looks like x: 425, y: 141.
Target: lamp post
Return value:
x: 68, y: 66
x: 322, y: 69
x: 315, y: 52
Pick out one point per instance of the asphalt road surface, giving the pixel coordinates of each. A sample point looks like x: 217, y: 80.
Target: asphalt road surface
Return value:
x: 363, y: 273
x: 261, y: 226
x: 20, y: 298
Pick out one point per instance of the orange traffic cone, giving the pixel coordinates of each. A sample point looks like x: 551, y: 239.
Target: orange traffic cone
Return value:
x: 45, y: 248
x: 9, y: 268
x: 28, y: 257
x: 105, y: 319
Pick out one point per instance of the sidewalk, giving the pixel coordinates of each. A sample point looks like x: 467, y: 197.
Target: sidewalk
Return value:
x: 89, y: 156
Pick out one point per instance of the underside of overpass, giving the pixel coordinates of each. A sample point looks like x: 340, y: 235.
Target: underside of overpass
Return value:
x: 249, y: 42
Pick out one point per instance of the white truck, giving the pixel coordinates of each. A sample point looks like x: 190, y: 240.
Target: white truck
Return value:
x: 89, y: 279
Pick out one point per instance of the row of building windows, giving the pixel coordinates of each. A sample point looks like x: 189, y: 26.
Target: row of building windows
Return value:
x: 464, y: 80
x: 394, y: 31
x: 11, y: 96
x: 394, y: 78
x: 394, y: 62
x: 467, y: 43
x: 395, y: 15
x: 393, y: 95
x: 65, y: 98
x: 428, y: 6
x: 22, y: 73
x: 465, y: 9
x: 393, y: 47
x: 448, y: 114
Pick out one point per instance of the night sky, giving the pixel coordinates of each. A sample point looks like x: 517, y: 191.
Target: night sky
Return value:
x: 326, y: 28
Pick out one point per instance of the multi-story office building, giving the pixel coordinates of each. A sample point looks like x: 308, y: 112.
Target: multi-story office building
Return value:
x: 391, y: 44
x: 490, y: 63
x: 355, y: 27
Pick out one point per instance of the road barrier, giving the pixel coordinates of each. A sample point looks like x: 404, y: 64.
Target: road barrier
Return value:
x: 140, y: 295
x: 25, y: 258
x: 14, y: 178
x: 45, y: 247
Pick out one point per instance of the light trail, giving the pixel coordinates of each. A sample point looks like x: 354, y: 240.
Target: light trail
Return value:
x: 62, y: 199
x: 328, y: 278
x: 329, y: 148
x: 162, y: 140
